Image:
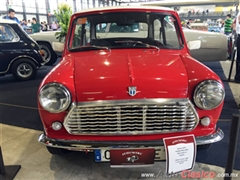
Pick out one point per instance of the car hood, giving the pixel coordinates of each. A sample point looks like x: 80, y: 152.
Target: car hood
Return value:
x: 105, y: 75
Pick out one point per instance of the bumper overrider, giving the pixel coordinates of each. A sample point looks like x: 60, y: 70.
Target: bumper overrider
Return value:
x: 92, y: 145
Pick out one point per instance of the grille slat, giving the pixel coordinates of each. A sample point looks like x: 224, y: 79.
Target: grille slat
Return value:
x: 132, y: 117
x: 132, y: 125
x: 133, y: 121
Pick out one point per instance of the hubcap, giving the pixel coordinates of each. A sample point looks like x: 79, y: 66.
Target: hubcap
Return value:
x: 47, y: 54
x: 24, y: 70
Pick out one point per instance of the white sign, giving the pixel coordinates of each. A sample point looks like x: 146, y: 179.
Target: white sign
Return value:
x: 180, y: 153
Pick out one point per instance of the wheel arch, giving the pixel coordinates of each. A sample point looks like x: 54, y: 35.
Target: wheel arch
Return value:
x: 20, y: 57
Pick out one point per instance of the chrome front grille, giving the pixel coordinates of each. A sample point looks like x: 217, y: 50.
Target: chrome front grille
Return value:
x: 131, y: 117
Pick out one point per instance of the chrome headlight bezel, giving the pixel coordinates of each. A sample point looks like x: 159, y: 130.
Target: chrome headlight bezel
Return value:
x: 59, y: 88
x: 199, y: 90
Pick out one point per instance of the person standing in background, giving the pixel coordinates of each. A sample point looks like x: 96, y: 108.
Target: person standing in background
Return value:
x: 44, y: 26
x: 54, y: 26
x: 11, y: 16
x: 36, y: 27
x: 24, y: 25
x: 227, y: 25
x: 237, y: 75
x: 29, y: 23
x: 234, y: 34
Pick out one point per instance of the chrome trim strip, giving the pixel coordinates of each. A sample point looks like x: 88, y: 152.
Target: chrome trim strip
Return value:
x: 118, y: 121
x: 25, y: 56
x: 131, y: 166
x: 164, y: 101
x: 144, y: 118
x: 131, y: 101
x: 91, y: 145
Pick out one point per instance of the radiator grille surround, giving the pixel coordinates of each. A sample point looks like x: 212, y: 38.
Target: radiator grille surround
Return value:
x: 125, y: 117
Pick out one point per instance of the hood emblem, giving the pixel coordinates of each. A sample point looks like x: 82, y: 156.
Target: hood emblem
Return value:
x: 132, y: 90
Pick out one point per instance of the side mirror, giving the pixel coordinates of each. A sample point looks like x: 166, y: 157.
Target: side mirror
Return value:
x: 58, y: 47
x: 193, y: 45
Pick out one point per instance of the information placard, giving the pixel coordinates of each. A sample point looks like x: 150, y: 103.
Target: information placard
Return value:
x: 180, y: 153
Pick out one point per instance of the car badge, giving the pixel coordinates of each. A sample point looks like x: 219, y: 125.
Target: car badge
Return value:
x: 132, y: 90
x: 132, y: 159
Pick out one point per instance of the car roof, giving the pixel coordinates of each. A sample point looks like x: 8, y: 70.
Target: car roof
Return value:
x: 124, y: 7
x: 7, y: 21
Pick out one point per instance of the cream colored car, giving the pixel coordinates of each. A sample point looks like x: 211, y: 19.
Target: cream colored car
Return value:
x: 214, y: 46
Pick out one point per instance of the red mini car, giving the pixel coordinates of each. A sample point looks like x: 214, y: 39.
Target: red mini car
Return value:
x: 126, y: 80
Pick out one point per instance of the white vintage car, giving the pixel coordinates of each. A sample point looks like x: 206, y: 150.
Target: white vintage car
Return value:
x: 214, y: 46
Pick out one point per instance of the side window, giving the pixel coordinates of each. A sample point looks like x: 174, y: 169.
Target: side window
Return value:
x: 81, y: 34
x: 165, y: 32
x: 172, y: 38
x: 158, y: 30
x: 7, y: 34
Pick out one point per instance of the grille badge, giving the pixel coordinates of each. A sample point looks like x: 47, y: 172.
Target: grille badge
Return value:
x: 132, y: 90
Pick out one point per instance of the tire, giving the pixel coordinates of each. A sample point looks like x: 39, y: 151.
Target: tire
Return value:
x: 203, y: 147
x: 49, y: 55
x: 57, y: 151
x: 23, y: 69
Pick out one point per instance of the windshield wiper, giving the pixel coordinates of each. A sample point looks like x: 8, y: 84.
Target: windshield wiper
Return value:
x: 138, y: 42
x: 91, y: 47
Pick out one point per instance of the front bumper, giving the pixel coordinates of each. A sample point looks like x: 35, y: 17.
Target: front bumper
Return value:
x: 92, y: 145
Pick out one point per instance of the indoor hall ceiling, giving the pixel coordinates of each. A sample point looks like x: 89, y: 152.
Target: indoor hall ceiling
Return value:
x: 181, y: 2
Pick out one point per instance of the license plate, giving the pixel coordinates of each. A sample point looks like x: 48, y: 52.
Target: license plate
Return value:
x: 132, y: 157
x: 111, y: 154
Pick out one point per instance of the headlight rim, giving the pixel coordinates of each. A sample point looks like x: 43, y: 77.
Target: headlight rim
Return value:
x: 209, y: 81
x: 66, y: 92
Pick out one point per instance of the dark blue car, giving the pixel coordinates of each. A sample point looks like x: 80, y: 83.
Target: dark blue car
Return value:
x: 20, y: 55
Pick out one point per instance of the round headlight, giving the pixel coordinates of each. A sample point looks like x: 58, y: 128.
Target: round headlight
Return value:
x: 54, y: 97
x: 209, y: 94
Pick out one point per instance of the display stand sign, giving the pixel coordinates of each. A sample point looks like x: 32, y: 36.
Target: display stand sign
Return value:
x: 180, y: 153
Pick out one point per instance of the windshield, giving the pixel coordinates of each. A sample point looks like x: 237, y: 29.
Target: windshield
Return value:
x: 125, y: 30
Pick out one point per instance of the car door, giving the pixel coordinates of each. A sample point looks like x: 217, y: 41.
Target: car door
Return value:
x: 8, y: 43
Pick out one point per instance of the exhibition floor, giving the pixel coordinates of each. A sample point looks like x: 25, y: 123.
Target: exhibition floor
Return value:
x: 20, y: 147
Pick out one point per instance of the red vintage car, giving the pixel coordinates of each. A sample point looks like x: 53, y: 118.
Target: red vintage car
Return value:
x: 129, y: 87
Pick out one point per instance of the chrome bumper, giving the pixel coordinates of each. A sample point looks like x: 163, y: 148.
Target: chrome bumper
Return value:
x: 91, y: 145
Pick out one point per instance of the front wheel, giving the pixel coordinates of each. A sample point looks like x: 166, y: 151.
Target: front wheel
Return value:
x: 49, y: 55
x: 23, y: 69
